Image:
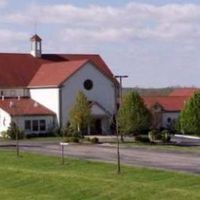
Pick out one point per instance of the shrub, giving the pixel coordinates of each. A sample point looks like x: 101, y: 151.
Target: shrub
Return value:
x: 94, y: 140
x: 54, y: 131
x: 72, y: 139
x: 70, y: 134
x: 13, y: 131
x: 5, y: 135
x: 155, y: 135
x: 142, y: 138
x: 152, y: 135
x: 38, y: 135
x: 69, y: 131
x: 165, y: 136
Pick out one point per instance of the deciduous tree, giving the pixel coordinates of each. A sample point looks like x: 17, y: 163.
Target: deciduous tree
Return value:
x: 133, y: 116
x: 80, y: 115
x: 190, y: 116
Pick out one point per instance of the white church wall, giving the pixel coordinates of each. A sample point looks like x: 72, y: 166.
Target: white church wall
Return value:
x: 103, y: 90
x: 96, y: 110
x: 49, y: 97
x: 5, y: 120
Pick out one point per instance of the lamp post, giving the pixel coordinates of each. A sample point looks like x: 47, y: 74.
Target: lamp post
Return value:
x: 117, y: 126
x: 14, y: 106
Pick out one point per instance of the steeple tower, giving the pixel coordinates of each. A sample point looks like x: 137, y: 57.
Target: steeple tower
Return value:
x: 36, y: 46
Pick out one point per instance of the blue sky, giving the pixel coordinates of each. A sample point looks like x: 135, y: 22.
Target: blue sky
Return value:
x: 155, y: 42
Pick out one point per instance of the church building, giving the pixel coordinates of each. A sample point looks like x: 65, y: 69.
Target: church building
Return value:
x: 38, y: 90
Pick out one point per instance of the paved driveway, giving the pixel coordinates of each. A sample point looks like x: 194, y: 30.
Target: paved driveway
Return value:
x: 176, y: 160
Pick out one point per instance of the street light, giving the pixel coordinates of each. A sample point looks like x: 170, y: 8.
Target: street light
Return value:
x: 117, y: 127
x: 14, y: 106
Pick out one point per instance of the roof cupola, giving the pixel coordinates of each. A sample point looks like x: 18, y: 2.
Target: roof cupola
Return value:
x: 36, y: 46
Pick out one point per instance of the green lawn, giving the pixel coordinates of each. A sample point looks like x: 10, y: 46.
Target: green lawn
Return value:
x: 42, y: 177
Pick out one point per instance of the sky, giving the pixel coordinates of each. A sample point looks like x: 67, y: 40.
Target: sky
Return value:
x: 155, y: 42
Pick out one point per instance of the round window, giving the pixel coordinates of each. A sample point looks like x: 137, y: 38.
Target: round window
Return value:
x: 88, y: 84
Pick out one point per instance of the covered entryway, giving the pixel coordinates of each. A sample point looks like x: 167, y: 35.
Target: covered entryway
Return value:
x: 97, y: 126
x: 100, y: 120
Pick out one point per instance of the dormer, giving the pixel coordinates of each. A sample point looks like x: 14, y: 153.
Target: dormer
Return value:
x: 36, y: 46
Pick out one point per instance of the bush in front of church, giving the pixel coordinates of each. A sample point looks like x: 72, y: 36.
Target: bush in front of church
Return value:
x: 14, y: 132
x: 70, y: 135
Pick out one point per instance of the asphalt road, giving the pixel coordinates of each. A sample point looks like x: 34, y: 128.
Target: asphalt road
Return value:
x: 134, y: 156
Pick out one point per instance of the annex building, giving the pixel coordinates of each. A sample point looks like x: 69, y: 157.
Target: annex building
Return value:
x: 166, y: 109
x: 37, y: 90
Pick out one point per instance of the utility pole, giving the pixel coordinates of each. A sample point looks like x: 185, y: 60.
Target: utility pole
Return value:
x: 117, y: 126
x: 120, y: 77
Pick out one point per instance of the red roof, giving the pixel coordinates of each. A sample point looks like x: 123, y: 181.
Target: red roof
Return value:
x: 184, y: 91
x: 24, y: 106
x: 168, y: 103
x: 19, y: 70
x: 96, y: 59
x: 55, y: 73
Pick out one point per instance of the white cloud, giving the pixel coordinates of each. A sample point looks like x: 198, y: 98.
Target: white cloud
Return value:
x: 8, y: 35
x: 12, y: 41
x: 173, y: 21
x: 3, y: 3
x: 155, y: 41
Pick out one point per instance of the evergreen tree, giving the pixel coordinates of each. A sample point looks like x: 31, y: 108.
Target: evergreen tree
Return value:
x: 80, y: 115
x: 190, y: 116
x: 133, y: 116
x: 14, y: 131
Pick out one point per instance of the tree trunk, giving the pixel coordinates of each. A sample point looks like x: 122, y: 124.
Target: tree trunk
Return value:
x: 122, y: 137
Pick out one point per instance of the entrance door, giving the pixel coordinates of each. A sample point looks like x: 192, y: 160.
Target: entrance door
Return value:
x: 97, y: 124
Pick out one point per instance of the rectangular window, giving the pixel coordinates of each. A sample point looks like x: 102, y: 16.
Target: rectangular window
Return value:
x: 27, y: 125
x: 42, y: 125
x: 35, y: 125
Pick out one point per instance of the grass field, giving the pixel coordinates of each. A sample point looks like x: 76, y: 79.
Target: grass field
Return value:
x: 35, y: 177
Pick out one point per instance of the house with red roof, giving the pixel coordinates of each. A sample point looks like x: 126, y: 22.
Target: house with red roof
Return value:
x: 166, y: 109
x: 189, y: 91
x: 37, y: 90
